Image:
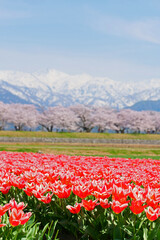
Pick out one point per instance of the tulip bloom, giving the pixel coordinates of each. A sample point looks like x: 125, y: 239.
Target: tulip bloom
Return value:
x: 104, y: 193
x: 120, y: 194
x: 89, y: 205
x: 4, y: 189
x: 104, y: 203
x: 19, y: 206
x: 118, y: 207
x: 153, y: 198
x: 82, y: 191
x: 152, y: 214
x: 46, y: 199
x: 76, y: 209
x: 153, y: 203
x: 4, y: 209
x: 137, y: 207
x: 63, y: 192
x: 18, y: 217
x: 29, y: 189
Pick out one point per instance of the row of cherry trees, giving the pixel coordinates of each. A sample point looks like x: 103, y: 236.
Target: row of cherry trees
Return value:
x: 77, y: 118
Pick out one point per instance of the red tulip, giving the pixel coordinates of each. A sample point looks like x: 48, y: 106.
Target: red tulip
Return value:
x: 152, y: 214
x: 18, y: 217
x: 74, y: 209
x: 119, y: 194
x: 4, y: 189
x: 118, y: 207
x: 103, y: 193
x: 46, y: 199
x: 81, y: 191
x: 63, y: 191
x: 4, y: 209
x: 137, y: 206
x: 104, y: 203
x: 19, y: 206
x: 89, y: 205
x: 29, y: 189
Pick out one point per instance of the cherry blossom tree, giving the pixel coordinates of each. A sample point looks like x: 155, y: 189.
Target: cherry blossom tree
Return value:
x: 104, y: 118
x: 65, y: 118
x: 59, y: 118
x: 47, y: 119
x: 22, y: 115
x: 156, y: 120
x: 148, y: 122
x: 141, y: 122
x: 78, y: 118
x: 3, y: 115
x: 124, y: 120
x: 85, y: 118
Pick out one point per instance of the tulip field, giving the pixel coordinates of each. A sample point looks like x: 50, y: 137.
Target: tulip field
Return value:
x: 46, y: 196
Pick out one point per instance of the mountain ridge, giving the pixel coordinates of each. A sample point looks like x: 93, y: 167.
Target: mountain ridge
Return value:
x: 146, y: 106
x: 57, y: 88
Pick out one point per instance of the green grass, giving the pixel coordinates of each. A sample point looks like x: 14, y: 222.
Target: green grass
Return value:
x: 78, y: 135
x: 127, y: 151
x: 87, y: 149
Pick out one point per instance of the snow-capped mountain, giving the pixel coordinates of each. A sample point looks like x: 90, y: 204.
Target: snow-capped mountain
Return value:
x: 58, y: 88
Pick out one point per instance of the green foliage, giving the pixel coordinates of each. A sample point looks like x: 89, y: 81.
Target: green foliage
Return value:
x: 29, y: 231
x: 53, y: 221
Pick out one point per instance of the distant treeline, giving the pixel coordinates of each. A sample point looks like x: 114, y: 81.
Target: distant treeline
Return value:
x: 78, y: 118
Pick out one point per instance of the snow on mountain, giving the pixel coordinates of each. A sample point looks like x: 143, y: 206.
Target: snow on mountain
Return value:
x: 57, y: 88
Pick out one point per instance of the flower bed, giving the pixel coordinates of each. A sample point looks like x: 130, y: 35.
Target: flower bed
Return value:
x: 81, y: 197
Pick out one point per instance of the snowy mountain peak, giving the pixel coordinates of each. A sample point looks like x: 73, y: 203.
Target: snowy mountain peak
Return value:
x: 57, y: 88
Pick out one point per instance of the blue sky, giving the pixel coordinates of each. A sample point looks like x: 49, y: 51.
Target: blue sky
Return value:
x: 119, y: 39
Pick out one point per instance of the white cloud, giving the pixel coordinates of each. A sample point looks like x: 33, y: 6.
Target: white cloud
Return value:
x: 146, y: 29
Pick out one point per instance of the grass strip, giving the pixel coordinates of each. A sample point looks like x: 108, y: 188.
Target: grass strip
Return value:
x: 79, y: 135
x: 131, y: 151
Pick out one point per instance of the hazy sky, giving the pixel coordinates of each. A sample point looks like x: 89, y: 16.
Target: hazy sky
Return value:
x: 119, y: 39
